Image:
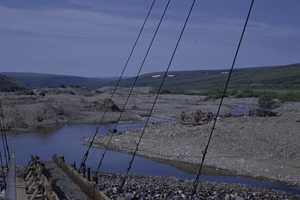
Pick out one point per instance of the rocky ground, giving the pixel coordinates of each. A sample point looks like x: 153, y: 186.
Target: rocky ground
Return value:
x: 152, y: 187
x: 28, y: 111
x: 262, y: 147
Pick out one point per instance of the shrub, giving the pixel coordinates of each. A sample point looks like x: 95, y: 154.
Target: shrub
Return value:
x: 289, y: 96
x: 164, y: 91
x: 98, y: 92
x: 266, y: 101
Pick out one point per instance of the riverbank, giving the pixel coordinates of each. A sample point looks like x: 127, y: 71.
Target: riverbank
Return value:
x: 261, y: 147
x: 40, y: 108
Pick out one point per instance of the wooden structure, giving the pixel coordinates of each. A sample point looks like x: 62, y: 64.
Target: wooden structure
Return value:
x: 35, y: 183
x: 90, y: 188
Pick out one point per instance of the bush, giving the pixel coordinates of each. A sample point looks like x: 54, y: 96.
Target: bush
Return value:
x: 214, y: 95
x: 164, y: 91
x: 266, y: 101
x: 289, y: 96
x: 98, y: 92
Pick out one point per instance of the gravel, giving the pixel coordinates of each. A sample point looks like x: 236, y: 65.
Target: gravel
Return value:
x: 154, y: 187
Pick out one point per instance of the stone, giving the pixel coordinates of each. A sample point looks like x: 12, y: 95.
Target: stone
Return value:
x: 227, y: 196
x: 129, y: 195
x: 239, y: 198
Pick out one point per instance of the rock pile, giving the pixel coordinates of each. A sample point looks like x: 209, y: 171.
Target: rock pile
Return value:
x: 153, y: 187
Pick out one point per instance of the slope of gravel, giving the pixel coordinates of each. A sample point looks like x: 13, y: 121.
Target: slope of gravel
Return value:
x: 263, y: 147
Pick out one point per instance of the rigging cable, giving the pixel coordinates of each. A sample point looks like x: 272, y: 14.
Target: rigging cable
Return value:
x: 132, y: 87
x: 3, y: 135
x: 4, y: 139
x: 224, y: 92
x: 165, y: 75
x: 2, y: 168
x: 114, y: 91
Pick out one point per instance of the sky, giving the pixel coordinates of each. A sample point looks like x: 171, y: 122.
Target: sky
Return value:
x: 93, y: 38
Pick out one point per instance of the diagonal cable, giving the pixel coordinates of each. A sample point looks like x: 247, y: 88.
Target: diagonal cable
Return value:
x: 2, y: 168
x: 165, y: 75
x: 3, y: 135
x: 224, y: 92
x: 114, y: 91
x: 132, y: 87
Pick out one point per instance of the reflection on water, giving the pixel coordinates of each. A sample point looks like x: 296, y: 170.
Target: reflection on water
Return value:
x: 67, y: 141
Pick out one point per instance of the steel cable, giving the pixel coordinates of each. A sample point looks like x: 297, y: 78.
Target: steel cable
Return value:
x: 132, y: 87
x: 165, y: 75
x: 114, y: 91
x: 3, y: 135
x: 224, y: 92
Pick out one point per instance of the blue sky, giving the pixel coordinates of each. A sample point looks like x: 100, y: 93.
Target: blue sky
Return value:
x: 93, y: 38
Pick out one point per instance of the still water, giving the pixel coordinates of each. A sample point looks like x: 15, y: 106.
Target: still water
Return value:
x: 66, y: 140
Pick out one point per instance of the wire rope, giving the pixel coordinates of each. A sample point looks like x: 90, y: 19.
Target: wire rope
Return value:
x: 114, y: 91
x: 204, y: 152
x: 2, y: 168
x: 162, y: 82
x: 3, y: 135
x: 132, y: 87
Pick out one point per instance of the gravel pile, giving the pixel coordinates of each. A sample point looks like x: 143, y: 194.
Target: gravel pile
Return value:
x: 154, y: 187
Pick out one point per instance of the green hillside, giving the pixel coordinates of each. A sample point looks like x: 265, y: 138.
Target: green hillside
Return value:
x: 11, y: 85
x: 277, y: 82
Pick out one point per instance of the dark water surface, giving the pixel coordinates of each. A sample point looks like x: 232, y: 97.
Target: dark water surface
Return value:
x: 67, y: 141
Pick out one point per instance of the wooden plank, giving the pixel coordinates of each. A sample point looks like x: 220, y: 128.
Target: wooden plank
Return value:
x: 11, y: 178
x: 20, y: 188
x: 89, y: 188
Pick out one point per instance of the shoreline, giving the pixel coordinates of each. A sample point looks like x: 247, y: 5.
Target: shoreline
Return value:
x: 258, y: 147
x: 250, y: 146
x: 123, y: 143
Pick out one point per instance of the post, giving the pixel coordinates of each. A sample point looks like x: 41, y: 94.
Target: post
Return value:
x: 73, y: 165
x: 89, y: 174
x: 52, y: 182
x: 95, y: 180
x: 83, y: 172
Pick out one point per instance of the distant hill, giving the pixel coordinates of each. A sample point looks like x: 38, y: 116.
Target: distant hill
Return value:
x: 279, y: 76
x: 8, y: 84
x: 38, y: 80
x: 281, y: 82
x: 244, y: 82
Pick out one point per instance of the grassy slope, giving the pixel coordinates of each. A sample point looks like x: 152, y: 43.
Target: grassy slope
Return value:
x: 281, y: 82
x: 10, y: 85
x: 245, y: 82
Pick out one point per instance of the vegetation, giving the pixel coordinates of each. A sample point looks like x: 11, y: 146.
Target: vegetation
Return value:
x: 11, y: 85
x: 269, y: 84
x: 279, y: 82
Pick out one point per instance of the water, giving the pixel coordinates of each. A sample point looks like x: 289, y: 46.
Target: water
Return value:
x: 240, y: 109
x: 67, y: 141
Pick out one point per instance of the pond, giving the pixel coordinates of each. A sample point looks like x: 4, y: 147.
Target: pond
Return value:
x: 66, y: 140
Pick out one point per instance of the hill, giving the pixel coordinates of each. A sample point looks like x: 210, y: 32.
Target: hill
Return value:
x: 275, y: 81
x: 11, y: 85
x: 39, y: 80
